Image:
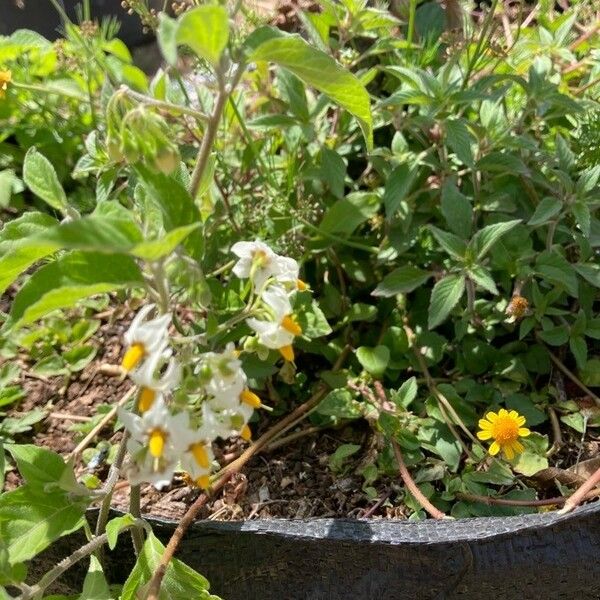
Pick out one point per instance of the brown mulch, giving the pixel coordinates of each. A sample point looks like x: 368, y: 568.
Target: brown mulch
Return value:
x: 293, y: 481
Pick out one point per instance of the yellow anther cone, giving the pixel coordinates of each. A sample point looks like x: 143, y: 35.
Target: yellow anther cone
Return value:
x: 132, y: 357
x: 156, y: 442
x: 251, y: 399
x: 287, y: 352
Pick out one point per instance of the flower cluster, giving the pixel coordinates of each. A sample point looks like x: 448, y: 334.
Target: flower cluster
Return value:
x: 274, y: 279
x: 165, y: 434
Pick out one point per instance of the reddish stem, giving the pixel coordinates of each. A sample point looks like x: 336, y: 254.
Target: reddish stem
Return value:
x: 413, y: 488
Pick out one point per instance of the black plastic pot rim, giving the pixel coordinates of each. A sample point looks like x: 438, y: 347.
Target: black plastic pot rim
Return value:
x: 389, y: 531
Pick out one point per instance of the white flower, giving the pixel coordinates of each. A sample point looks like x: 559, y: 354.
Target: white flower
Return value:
x: 226, y: 377
x: 278, y: 333
x: 197, y: 455
x: 226, y: 423
x: 258, y: 262
x: 145, y: 337
x: 151, y: 382
x: 153, y: 445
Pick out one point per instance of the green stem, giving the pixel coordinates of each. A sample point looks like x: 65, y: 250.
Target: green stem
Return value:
x: 185, y: 110
x: 211, y: 129
x: 32, y: 87
x: 134, y: 508
x: 412, y: 12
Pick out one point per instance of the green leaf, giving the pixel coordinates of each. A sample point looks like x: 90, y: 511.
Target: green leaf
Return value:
x: 333, y: 171
x: 460, y: 139
x: 318, y: 69
x: 340, y: 404
x: 483, y: 278
x: 167, y: 38
x: 336, y: 460
x: 73, y: 276
x: 590, y: 373
x: 402, y: 280
x: 94, y: 584
x: 524, y: 406
x: 179, y: 583
x: 397, y: 187
x: 590, y: 272
x: 557, y: 269
x: 452, y: 244
x: 406, y: 394
x: 579, y: 350
x: 205, y: 30
x: 345, y: 215
x: 457, y: 210
x: 374, y: 360
x: 115, y: 526
x: 444, y: 297
x: 38, y: 466
x: 31, y: 519
x: 156, y: 249
x: 544, y: 211
x: 40, y: 177
x: 485, y: 238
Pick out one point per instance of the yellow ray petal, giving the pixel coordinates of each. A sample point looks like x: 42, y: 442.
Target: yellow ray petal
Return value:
x: 494, y: 448
x: 491, y: 417
x: 521, y: 421
x: 484, y: 435
x: 524, y: 432
x: 483, y: 424
x: 508, y: 452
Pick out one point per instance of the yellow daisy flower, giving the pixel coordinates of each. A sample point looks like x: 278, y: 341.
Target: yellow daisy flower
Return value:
x: 505, y: 428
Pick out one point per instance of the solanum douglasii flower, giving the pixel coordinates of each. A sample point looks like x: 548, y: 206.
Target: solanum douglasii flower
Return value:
x: 151, y: 381
x: 277, y: 333
x: 259, y: 263
x: 504, y: 428
x: 5, y: 79
x: 144, y: 337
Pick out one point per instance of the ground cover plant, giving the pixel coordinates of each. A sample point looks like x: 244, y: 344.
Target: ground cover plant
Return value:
x: 366, y: 250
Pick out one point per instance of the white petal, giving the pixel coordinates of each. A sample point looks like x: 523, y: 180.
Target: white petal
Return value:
x: 278, y: 300
x: 287, y: 269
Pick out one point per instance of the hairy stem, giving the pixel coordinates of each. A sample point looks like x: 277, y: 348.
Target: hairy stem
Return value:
x: 212, y: 127
x: 137, y: 536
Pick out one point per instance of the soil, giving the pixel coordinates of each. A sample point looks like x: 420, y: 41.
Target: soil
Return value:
x: 292, y: 481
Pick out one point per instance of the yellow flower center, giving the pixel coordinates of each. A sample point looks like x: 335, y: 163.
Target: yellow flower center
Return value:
x: 291, y: 326
x: 250, y: 398
x: 203, y: 482
x: 287, y: 352
x: 5, y: 79
x: 133, y: 356
x: 259, y: 258
x: 246, y: 433
x: 200, y: 455
x: 146, y: 399
x: 156, y: 442
x: 505, y: 429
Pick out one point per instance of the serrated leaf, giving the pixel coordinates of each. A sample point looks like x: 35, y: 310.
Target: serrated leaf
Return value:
x: 483, y: 278
x: 40, y: 177
x: 485, y: 238
x: 451, y: 243
x: 73, y: 276
x: 205, y: 30
x: 459, y: 138
x: 544, y: 211
x: 397, y: 187
x: 318, y: 69
x: 457, y: 210
x: 445, y: 296
x: 401, y: 281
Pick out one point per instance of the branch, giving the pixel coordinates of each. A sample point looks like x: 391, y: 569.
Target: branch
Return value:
x: 582, y: 493
x: 225, y: 474
x: 413, y: 488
